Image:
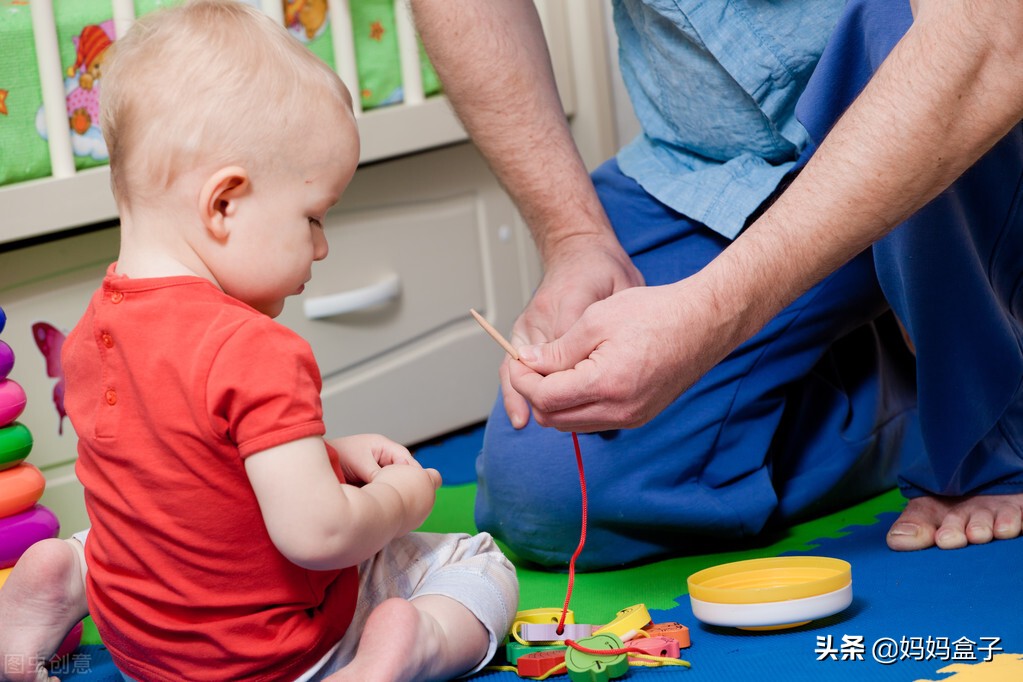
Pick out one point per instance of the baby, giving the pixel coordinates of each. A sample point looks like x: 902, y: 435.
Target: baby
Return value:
x: 229, y: 540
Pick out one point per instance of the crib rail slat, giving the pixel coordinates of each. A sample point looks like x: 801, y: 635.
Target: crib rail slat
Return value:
x: 124, y: 16
x: 274, y: 9
x: 51, y: 77
x: 408, y: 45
x: 343, y: 37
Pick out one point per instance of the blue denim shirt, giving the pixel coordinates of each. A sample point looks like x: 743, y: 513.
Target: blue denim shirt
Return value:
x: 714, y: 85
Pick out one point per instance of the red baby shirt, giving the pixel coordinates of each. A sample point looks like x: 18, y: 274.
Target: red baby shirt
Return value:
x: 170, y: 384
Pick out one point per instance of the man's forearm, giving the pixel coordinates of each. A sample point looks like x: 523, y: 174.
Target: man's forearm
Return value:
x: 496, y: 70
x: 946, y: 94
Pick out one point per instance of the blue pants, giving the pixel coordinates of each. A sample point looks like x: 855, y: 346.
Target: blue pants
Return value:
x: 954, y: 275
x: 806, y: 416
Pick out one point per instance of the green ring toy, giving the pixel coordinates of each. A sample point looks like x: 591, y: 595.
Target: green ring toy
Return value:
x: 15, y: 444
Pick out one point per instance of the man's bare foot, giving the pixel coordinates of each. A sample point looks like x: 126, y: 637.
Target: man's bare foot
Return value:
x: 954, y: 522
x: 43, y: 598
x: 404, y: 641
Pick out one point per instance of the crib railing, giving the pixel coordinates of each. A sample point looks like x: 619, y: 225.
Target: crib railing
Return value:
x: 69, y: 198
x: 52, y: 80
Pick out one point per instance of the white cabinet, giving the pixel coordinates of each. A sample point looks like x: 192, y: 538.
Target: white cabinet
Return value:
x: 417, y: 365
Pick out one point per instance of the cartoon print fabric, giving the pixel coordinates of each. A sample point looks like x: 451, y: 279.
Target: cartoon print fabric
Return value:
x: 85, y: 32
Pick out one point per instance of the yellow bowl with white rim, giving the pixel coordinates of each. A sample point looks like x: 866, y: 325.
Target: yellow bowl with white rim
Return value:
x: 772, y: 593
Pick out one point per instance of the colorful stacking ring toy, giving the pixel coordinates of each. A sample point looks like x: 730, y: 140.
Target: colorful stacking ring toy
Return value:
x: 21, y: 531
x: 20, y: 488
x: 6, y: 360
x: 23, y: 521
x: 15, y: 444
x: 12, y: 401
x: 771, y: 594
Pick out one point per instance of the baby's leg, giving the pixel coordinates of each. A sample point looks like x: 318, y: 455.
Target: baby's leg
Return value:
x: 431, y: 607
x: 951, y: 523
x: 427, y: 638
x: 43, y: 598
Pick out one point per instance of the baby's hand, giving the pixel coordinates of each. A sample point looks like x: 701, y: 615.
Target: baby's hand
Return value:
x: 417, y: 488
x: 361, y: 456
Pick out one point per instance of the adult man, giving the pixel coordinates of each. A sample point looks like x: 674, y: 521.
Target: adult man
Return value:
x: 796, y: 400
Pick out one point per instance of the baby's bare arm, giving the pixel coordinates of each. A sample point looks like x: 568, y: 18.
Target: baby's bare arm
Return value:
x: 321, y: 524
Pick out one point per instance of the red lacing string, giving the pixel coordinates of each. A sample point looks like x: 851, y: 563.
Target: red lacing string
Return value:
x: 603, y: 652
x: 571, y: 577
x: 582, y: 535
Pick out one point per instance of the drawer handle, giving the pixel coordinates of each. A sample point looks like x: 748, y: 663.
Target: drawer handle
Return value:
x: 344, y: 302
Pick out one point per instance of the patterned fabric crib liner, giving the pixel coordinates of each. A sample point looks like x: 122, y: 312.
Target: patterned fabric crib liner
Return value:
x: 85, y: 29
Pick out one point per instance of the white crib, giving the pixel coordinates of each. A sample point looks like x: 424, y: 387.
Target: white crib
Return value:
x: 69, y: 198
x: 423, y: 233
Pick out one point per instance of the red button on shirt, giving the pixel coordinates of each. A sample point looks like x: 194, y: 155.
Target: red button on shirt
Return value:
x: 108, y: 340
x: 116, y: 297
x: 111, y: 396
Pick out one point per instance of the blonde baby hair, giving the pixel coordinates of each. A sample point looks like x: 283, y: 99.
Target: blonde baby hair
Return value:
x: 207, y: 82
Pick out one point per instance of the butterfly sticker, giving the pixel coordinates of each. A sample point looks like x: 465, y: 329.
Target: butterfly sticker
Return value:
x: 50, y: 341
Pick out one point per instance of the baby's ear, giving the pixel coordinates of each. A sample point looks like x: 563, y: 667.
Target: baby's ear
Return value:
x: 218, y: 198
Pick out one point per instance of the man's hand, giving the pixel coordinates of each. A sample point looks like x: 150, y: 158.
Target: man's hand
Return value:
x: 579, y: 271
x: 625, y: 359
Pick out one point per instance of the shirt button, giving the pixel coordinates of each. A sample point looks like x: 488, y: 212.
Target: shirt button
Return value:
x: 108, y: 340
x: 111, y: 396
x: 116, y: 297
